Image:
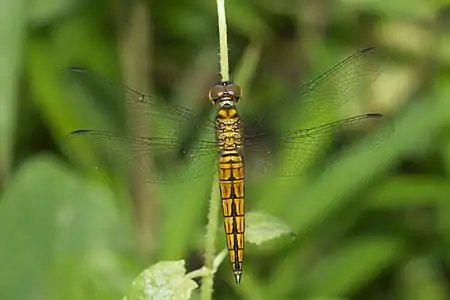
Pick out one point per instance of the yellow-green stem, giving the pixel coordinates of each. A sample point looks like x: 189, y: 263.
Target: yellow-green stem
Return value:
x: 214, y: 204
x: 210, y: 240
x: 223, y: 42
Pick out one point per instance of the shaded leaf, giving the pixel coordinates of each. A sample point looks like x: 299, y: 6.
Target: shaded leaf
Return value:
x: 346, y: 271
x: 261, y: 227
x: 163, y: 280
x: 420, y: 279
x: 44, y: 11
x: 48, y: 214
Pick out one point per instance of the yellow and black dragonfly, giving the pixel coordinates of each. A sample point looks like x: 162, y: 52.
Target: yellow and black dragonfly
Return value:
x: 226, y: 142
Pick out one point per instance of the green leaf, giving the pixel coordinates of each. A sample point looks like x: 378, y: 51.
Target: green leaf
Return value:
x: 164, y: 280
x: 13, y: 29
x: 342, y: 273
x: 47, y: 215
x: 420, y: 279
x: 261, y: 227
x: 42, y: 11
x: 411, y: 190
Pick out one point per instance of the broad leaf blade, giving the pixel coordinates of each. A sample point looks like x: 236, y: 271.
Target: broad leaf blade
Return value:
x: 261, y: 227
x: 164, y: 280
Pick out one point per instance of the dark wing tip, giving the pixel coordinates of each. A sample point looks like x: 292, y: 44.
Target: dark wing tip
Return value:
x: 79, y: 132
x: 389, y: 121
x: 77, y: 69
x: 74, y: 69
x: 375, y: 115
x: 368, y: 49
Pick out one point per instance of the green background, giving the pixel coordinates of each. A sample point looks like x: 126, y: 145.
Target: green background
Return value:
x: 374, y: 226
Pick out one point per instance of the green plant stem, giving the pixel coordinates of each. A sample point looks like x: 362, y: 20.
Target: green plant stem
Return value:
x: 203, y: 272
x: 214, y: 204
x: 223, y: 42
x: 210, y: 240
x: 218, y: 259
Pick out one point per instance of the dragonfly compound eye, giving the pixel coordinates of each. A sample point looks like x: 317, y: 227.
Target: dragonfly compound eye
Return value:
x: 217, y: 92
x: 234, y: 90
x: 224, y: 89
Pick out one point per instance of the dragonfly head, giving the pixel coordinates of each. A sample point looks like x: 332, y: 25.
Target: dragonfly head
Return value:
x: 226, y: 93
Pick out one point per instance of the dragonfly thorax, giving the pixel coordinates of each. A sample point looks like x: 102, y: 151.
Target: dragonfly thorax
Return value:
x: 228, y: 128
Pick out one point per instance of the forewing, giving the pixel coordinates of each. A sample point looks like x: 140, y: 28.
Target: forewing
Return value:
x: 340, y: 84
x: 157, y: 160
x: 345, y: 81
x: 159, y: 117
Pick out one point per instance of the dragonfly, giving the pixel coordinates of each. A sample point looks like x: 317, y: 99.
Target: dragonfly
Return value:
x: 226, y: 141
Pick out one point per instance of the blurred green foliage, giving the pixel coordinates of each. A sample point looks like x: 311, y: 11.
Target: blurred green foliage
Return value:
x: 376, y: 225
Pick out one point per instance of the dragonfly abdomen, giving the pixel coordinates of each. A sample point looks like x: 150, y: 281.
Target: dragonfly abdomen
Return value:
x: 231, y: 179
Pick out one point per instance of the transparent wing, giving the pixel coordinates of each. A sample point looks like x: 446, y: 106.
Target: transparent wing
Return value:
x: 158, y: 160
x: 338, y: 85
x: 160, y: 116
x: 163, y: 157
x: 294, y: 152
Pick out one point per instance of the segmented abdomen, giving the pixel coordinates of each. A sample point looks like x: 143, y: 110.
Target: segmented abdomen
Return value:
x: 231, y: 178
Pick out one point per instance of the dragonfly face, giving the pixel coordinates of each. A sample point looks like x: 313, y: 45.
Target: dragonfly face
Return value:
x: 226, y: 93
x: 261, y: 150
